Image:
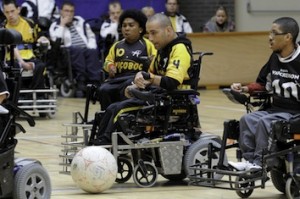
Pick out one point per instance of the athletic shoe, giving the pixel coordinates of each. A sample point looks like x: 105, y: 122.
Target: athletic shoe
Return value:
x: 253, y: 166
x: 240, y: 166
x: 3, y: 110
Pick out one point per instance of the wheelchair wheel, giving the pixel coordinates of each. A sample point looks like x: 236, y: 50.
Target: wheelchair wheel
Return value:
x: 125, y: 170
x: 245, y: 189
x: 278, y: 179
x: 291, y: 189
x: 198, y: 154
x: 145, y: 174
x: 67, y: 89
x: 32, y: 181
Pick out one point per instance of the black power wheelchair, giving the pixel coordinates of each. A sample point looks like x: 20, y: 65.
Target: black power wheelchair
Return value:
x: 163, y: 137
x: 19, y: 177
x: 283, y: 149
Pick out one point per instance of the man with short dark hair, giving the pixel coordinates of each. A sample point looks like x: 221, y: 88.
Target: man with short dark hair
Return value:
x: 179, y: 22
x: 78, y: 37
x: 280, y: 76
x: 30, y: 35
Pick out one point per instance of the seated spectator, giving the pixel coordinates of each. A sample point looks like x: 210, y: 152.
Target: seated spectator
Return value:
x: 179, y: 22
x: 126, y: 57
x: 77, y: 36
x: 220, y: 22
x: 168, y: 71
x: 110, y: 31
x: 35, y: 9
x: 148, y: 11
x: 30, y: 35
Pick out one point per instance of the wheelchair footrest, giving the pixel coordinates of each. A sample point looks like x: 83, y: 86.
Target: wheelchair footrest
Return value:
x: 226, y: 179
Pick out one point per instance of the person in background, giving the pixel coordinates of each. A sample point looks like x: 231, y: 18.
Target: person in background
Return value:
x: 77, y: 36
x: 35, y: 9
x: 110, y: 30
x: 148, y: 11
x: 179, y: 22
x: 126, y: 57
x: 221, y: 22
x: 168, y: 71
x: 24, y: 53
x: 280, y: 77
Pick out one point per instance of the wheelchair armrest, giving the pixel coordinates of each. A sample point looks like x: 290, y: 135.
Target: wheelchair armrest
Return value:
x: 19, y: 112
x: 236, y: 97
x: 147, y: 96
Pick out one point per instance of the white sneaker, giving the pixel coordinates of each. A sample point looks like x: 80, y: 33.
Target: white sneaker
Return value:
x: 3, y: 110
x: 240, y: 166
x: 253, y: 166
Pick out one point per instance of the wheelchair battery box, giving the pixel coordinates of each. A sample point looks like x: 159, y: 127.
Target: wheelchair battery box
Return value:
x: 171, y: 154
x: 6, y: 171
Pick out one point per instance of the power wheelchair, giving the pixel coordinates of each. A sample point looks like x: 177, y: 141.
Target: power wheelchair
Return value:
x: 163, y: 137
x: 281, y: 157
x: 39, y: 102
x: 19, y: 177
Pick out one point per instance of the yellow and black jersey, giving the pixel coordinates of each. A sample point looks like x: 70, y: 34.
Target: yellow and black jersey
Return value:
x: 130, y: 58
x: 174, y: 60
x: 29, y: 32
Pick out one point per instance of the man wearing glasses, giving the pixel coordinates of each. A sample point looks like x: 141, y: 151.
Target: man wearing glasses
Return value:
x: 279, y: 76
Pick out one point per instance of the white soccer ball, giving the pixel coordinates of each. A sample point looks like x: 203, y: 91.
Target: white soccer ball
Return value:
x: 94, y: 169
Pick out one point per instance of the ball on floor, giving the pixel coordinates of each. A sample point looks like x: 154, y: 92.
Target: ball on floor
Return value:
x: 94, y: 169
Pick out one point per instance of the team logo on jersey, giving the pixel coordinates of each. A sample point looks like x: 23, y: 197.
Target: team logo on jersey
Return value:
x: 120, y: 52
x: 136, y: 53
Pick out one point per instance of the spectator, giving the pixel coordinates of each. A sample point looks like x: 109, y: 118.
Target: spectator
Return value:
x: 77, y: 36
x: 175, y: 50
x: 148, y: 11
x: 179, y: 22
x: 110, y: 31
x: 220, y: 22
x: 280, y: 76
x: 35, y: 9
x: 30, y: 35
x: 125, y: 57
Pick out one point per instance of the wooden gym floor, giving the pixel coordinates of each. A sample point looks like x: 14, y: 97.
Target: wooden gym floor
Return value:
x: 43, y: 142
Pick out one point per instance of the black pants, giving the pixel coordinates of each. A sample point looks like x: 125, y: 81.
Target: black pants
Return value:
x: 85, y: 65
x: 112, y: 90
x: 108, y: 123
x: 38, y: 80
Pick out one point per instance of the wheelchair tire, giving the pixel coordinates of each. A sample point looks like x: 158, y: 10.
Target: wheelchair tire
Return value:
x: 278, y: 179
x: 238, y: 185
x: 67, y: 90
x: 198, y: 154
x: 146, y: 175
x: 125, y: 170
x: 291, y: 190
x: 32, y: 181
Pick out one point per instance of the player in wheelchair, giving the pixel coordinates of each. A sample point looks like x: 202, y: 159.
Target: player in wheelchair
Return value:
x: 168, y: 72
x: 262, y: 135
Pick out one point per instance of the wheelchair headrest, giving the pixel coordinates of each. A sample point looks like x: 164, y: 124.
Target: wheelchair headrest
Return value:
x: 9, y: 37
x: 44, y: 23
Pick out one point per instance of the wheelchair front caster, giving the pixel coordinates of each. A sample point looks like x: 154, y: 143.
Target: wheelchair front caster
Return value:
x: 244, y: 189
x: 145, y: 174
x: 125, y: 170
x: 67, y: 89
x: 292, y: 189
